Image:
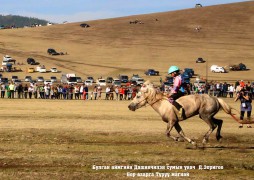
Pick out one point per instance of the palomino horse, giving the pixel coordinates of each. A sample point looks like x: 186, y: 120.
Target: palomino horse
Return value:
x: 203, y: 105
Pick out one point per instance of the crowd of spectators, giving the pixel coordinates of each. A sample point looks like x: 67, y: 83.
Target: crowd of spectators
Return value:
x: 69, y: 92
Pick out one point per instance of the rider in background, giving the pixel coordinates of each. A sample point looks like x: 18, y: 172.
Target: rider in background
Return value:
x: 178, y: 90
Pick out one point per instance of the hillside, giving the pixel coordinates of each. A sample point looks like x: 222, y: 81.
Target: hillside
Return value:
x: 19, y: 21
x: 113, y: 46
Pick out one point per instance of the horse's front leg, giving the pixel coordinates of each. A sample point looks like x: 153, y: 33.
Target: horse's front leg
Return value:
x: 181, y: 133
x: 170, y: 125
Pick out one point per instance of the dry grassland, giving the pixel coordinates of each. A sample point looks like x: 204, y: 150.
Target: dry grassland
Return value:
x: 53, y: 139
x: 57, y: 139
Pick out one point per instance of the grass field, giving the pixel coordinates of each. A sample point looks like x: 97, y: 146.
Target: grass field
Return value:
x: 57, y: 139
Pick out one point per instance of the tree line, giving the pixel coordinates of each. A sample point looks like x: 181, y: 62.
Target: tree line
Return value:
x: 8, y: 21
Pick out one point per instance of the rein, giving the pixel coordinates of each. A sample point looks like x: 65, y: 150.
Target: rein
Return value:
x: 149, y: 104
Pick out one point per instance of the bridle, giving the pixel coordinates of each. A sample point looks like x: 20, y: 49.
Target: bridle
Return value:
x: 149, y: 104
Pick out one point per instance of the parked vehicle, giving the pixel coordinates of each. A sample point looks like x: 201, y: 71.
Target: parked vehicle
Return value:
x: 239, y: 67
x: 42, y: 70
x: 17, y: 82
x: 101, y: 82
x: 72, y: 80
x: 31, y: 61
x: 88, y: 82
x: 135, y: 77
x: 200, y: 60
x: 14, y: 77
x: 109, y: 79
x: 152, y: 72
x: 79, y: 80
x: 53, y: 79
x: 7, y: 59
x: 28, y: 79
x: 84, y: 25
x: 30, y: 70
x: 65, y: 77
x: 116, y: 82
x: 90, y: 78
x: 49, y: 82
x: 4, y: 80
x: 217, y: 69
x: 52, y: 52
x: 190, y: 71
x: 140, y: 81
x: 123, y: 78
x: 40, y: 79
x: 54, y: 70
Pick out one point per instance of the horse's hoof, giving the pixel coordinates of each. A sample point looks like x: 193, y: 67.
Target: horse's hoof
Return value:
x: 205, y: 141
x: 180, y: 139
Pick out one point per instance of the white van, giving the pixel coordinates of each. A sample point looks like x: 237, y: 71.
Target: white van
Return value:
x: 217, y: 69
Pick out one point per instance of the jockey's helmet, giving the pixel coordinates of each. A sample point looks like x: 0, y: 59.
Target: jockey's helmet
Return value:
x: 173, y: 69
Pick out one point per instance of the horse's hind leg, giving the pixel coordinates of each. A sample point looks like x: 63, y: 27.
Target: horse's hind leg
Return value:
x: 212, y: 126
x: 181, y: 133
x: 219, y: 123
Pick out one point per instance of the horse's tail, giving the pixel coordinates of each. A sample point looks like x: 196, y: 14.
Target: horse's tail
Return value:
x: 227, y: 109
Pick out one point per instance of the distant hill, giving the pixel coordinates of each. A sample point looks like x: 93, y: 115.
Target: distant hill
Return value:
x: 19, y: 21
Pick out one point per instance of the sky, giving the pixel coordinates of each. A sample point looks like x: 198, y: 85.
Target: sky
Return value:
x: 58, y: 11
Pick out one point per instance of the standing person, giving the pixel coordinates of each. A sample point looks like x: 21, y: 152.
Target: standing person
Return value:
x: 30, y: 92
x: 99, y: 91
x: 231, y: 90
x: 11, y: 88
x: 117, y: 92
x: 3, y: 88
x: 245, y: 98
x: 177, y: 91
x: 85, y: 92
x: 25, y: 91
x: 95, y: 92
x: 20, y: 91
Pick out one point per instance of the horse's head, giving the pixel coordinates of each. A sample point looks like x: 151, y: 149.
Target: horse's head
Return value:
x: 142, y: 97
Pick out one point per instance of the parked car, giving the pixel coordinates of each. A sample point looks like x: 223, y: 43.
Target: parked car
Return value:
x: 140, y: 81
x: 28, y: 79
x: 52, y: 51
x: 79, y: 80
x: 54, y: 70
x: 72, y: 80
x: 135, y: 77
x: 40, y: 79
x: 200, y: 60
x: 13, y: 78
x: 84, y: 25
x: 101, y: 82
x: 116, y: 82
x: 48, y: 82
x: 53, y: 79
x: 123, y: 78
x: 151, y: 72
x: 190, y: 71
x: 4, y: 80
x: 30, y: 60
x: 91, y: 78
x: 30, y: 70
x: 109, y: 79
x: 239, y: 67
x: 88, y: 82
x: 169, y: 80
x: 17, y: 82
x: 42, y: 70
x: 217, y: 69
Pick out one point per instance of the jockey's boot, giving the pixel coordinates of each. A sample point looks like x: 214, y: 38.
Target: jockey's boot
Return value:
x: 179, y: 108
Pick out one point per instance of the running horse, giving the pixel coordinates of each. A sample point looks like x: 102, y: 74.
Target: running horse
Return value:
x: 197, y: 104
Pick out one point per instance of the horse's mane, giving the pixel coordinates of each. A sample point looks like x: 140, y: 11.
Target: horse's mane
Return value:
x: 154, y: 92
